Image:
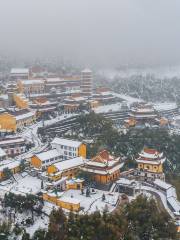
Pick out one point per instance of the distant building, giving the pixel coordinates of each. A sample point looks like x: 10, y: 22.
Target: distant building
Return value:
x: 86, y: 82
x: 31, y: 86
x: 143, y: 113
x: 150, y: 164
x: 21, y: 101
x: 13, y: 146
x: 42, y: 105
x: 104, y: 96
x: 73, y: 103
x: 19, y: 73
x: 69, y: 148
x: 14, y: 119
x: 68, y: 84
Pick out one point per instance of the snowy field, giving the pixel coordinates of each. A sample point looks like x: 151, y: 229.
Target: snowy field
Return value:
x: 108, y: 108
x: 94, y: 202
x: 165, y: 106
x: 22, y: 185
x: 127, y: 98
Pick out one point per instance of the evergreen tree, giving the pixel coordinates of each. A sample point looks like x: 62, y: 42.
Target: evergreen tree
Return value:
x: 40, y: 235
x: 103, y: 197
x: 7, y: 173
x: 57, y: 225
x: 42, y: 184
x: 25, y: 236
x: 22, y: 165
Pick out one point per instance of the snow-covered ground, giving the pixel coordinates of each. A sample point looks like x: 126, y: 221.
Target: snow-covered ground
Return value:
x: 127, y: 98
x: 161, y: 195
x: 22, y: 185
x: 94, y: 202
x: 41, y: 222
x: 59, y: 118
x: 108, y: 108
x: 165, y: 106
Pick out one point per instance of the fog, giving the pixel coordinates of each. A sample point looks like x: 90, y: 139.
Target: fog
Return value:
x: 92, y: 32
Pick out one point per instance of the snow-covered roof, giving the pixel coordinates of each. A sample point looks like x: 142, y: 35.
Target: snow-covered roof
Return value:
x: 52, y: 80
x: 10, y: 165
x: 150, y: 153
x: 4, y: 96
x: 103, y: 172
x: 174, y: 204
x: 2, y: 153
x: 70, y: 200
x: 102, y: 164
x: 79, y: 98
x: 24, y: 116
x: 86, y: 70
x: 62, y: 180
x: 149, y: 162
x: 68, y: 164
x: 32, y: 81
x: 143, y: 116
x: 12, y: 141
x: 124, y: 181
x: 66, y: 142
x: 162, y: 184
x: 74, y: 180
x: 48, y: 155
x: 143, y: 110
x: 19, y: 71
x: 171, y: 192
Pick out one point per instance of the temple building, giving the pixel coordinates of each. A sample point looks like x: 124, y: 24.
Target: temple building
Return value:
x: 103, y: 168
x: 86, y: 82
x: 33, y: 86
x: 19, y: 73
x: 143, y: 113
x: 150, y: 164
x: 42, y: 105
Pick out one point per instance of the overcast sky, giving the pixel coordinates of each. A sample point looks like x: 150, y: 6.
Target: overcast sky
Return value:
x: 102, y: 32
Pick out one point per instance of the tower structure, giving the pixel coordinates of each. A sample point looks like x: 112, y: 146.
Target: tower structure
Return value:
x: 86, y: 82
